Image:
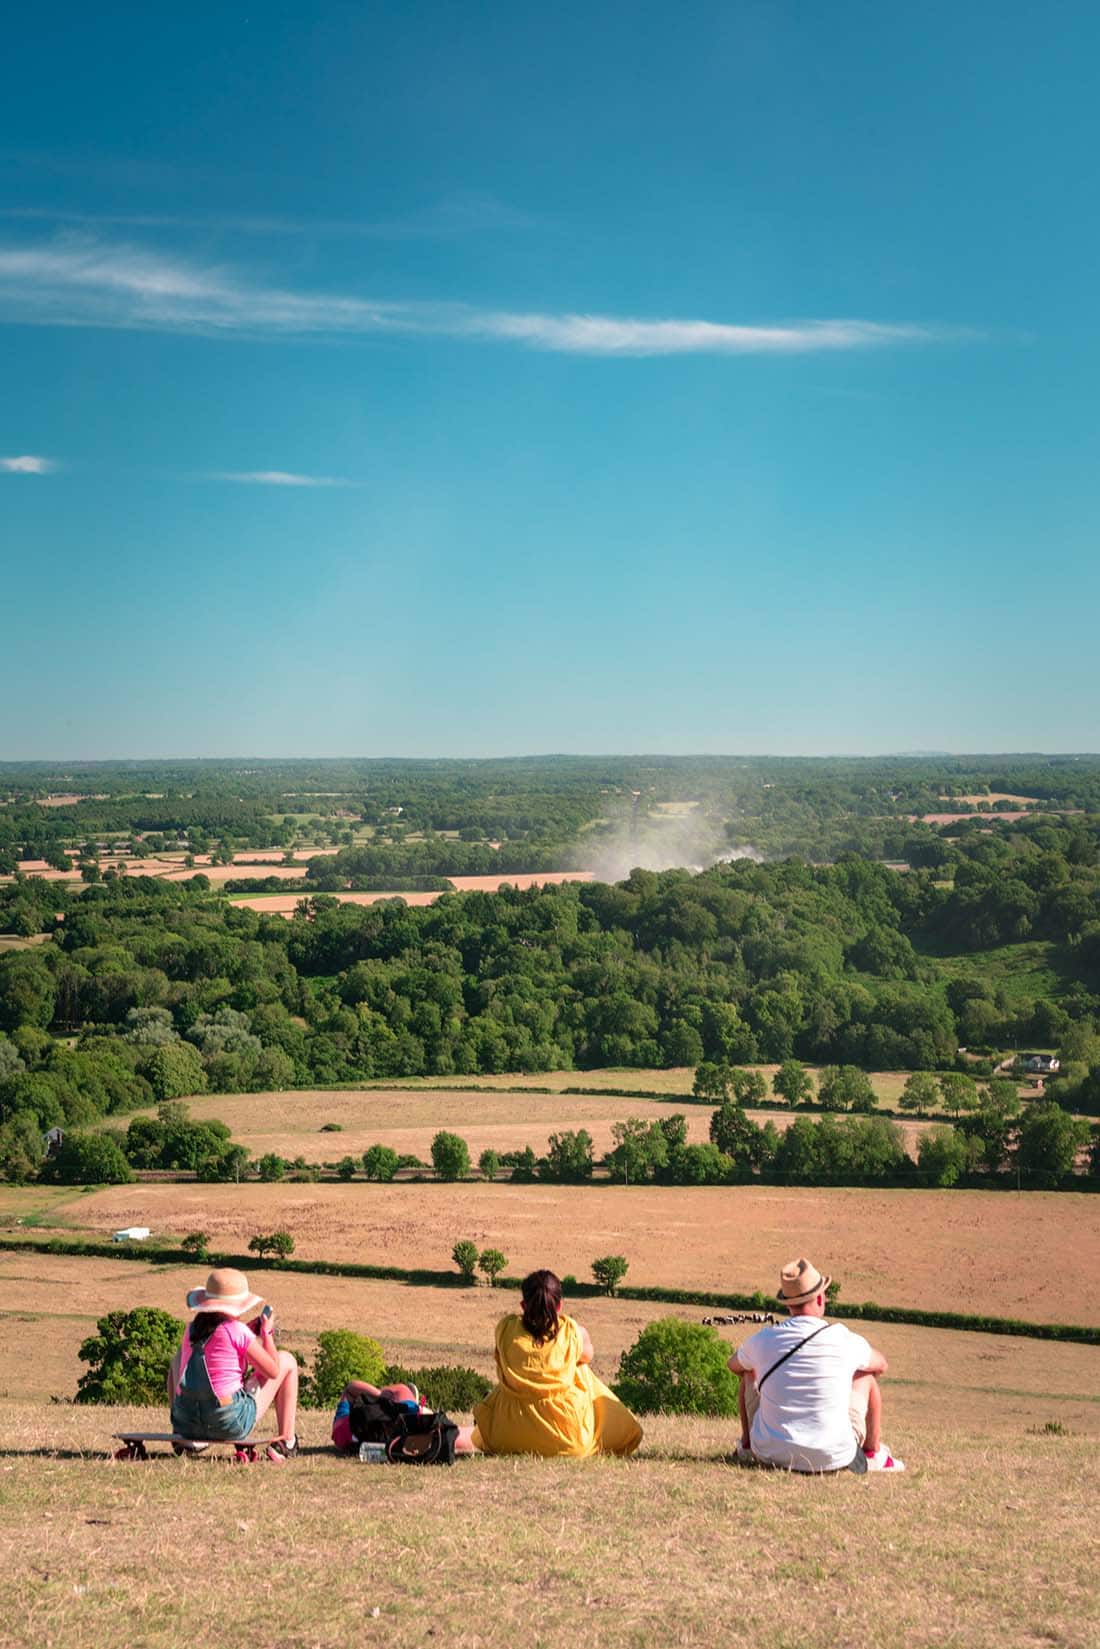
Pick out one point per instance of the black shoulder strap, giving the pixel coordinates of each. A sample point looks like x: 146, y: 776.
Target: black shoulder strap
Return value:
x: 791, y: 1353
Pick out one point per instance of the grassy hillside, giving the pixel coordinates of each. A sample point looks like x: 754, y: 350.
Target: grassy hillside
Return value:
x: 987, y: 1541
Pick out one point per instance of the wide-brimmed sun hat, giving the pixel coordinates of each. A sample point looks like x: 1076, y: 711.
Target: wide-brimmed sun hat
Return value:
x: 800, y: 1281
x: 226, y: 1292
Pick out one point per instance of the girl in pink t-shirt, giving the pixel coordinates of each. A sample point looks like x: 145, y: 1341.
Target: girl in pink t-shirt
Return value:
x: 226, y: 1375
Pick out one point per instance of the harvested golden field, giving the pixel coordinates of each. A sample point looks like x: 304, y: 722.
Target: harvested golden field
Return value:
x: 290, y: 1122
x: 285, y: 904
x: 996, y: 796
x: 1006, y: 1253
x: 676, y: 1080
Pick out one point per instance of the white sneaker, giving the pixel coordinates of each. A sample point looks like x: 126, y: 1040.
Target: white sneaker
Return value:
x: 883, y: 1461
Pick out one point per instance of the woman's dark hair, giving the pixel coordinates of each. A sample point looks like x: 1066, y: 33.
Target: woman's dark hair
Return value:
x: 541, y: 1305
x: 203, y: 1325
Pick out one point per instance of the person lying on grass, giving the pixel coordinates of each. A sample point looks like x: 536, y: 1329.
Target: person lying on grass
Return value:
x: 343, y: 1436
x: 226, y: 1374
x: 548, y: 1401
x: 809, y: 1397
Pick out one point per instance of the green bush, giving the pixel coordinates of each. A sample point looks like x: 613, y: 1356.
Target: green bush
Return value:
x: 610, y: 1271
x: 88, y: 1159
x: 128, y: 1357
x: 464, y: 1254
x: 380, y: 1163
x: 451, y: 1387
x: 450, y: 1156
x: 675, y: 1367
x: 492, y: 1262
x: 343, y: 1356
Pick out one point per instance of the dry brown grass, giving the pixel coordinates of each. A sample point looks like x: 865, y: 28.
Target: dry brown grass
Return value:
x: 968, y: 1251
x: 987, y: 1542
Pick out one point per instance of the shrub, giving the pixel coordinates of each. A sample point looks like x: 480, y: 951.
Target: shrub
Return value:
x: 332, y: 1128
x: 21, y: 1150
x: 343, y: 1356
x: 677, y: 1368
x: 346, y: 1167
x: 610, y: 1271
x: 464, y: 1254
x: 128, y: 1357
x: 271, y: 1167
x: 488, y: 1164
x: 450, y: 1156
x: 380, y: 1163
x: 88, y: 1159
x: 569, y: 1158
x: 230, y: 1164
x: 522, y: 1163
x: 942, y: 1155
x: 492, y: 1262
x: 278, y: 1243
x: 197, y: 1243
x: 449, y: 1387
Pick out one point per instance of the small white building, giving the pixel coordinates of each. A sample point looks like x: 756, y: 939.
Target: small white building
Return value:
x: 131, y: 1233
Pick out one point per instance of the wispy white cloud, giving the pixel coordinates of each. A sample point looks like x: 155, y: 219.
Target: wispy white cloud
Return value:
x: 84, y: 282
x: 457, y: 214
x: 281, y: 478
x: 28, y: 464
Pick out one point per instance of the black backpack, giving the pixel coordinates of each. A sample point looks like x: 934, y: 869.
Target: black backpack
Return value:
x: 408, y: 1436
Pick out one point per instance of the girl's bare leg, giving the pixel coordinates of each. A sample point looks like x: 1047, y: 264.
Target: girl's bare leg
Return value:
x: 282, y: 1390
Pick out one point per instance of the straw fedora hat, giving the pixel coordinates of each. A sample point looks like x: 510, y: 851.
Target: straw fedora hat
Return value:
x: 800, y: 1281
x: 226, y: 1292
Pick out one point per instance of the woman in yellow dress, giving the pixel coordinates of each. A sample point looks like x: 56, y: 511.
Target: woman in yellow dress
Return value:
x: 548, y: 1401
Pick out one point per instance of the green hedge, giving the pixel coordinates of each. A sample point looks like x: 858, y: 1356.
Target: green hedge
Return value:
x: 867, y: 1312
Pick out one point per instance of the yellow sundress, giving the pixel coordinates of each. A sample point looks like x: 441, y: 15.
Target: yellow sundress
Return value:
x: 547, y: 1402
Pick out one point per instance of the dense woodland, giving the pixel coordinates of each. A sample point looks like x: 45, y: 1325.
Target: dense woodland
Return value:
x: 145, y: 991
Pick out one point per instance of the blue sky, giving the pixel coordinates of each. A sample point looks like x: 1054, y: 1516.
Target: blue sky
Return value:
x: 429, y: 379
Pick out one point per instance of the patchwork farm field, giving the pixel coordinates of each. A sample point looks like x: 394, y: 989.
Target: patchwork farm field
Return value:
x: 972, y: 1251
x: 290, y: 1122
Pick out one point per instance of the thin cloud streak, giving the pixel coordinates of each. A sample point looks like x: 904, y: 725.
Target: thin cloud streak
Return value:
x: 28, y: 464
x: 281, y: 478
x: 460, y: 214
x: 83, y: 282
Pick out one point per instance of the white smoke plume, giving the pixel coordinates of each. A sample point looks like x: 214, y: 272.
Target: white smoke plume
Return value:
x: 688, y: 841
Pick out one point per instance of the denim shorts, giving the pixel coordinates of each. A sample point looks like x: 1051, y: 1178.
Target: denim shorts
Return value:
x: 194, y: 1416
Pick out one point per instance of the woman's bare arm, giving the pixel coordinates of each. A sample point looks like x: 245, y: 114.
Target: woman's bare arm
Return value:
x: 586, y: 1352
x: 359, y: 1388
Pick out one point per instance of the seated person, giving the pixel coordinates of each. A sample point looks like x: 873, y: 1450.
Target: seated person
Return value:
x: 809, y: 1397
x: 548, y: 1401
x: 226, y: 1374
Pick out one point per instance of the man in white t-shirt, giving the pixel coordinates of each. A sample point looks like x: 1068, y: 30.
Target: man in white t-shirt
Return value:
x: 810, y: 1398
